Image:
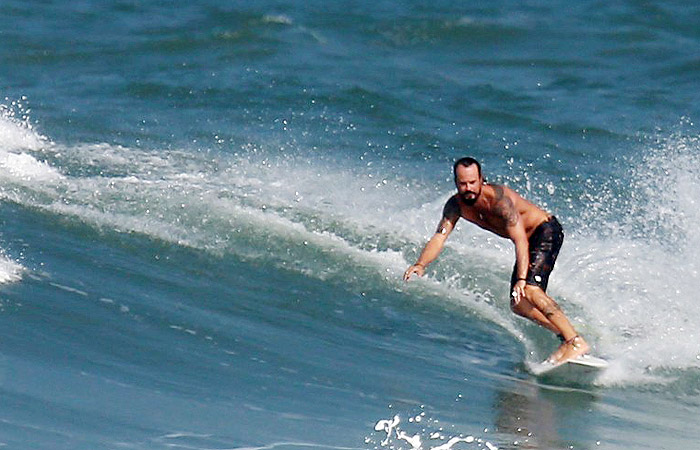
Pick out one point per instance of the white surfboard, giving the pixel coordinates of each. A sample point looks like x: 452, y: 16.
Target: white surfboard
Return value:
x: 583, y: 369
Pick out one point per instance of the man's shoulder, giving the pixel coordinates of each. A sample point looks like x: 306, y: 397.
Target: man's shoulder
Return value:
x: 452, y: 205
x: 504, y: 193
x: 500, y: 190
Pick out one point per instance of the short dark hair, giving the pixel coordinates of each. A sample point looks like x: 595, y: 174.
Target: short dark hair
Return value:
x: 466, y: 162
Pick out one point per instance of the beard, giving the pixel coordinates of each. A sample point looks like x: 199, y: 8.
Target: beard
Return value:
x: 469, y: 198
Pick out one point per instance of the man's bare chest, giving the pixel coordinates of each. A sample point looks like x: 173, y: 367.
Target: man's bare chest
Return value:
x: 485, y: 218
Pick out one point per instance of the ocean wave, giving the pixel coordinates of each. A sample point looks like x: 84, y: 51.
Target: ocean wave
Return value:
x: 325, y: 222
x: 461, y: 31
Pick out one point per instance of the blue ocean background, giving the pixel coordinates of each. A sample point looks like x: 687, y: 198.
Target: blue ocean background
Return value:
x: 206, y: 209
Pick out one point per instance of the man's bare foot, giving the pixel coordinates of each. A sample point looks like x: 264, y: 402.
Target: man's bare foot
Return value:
x: 556, y: 356
x: 571, y: 349
x: 574, y: 348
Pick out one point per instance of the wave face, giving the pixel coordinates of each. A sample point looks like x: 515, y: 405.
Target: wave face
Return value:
x: 205, y: 217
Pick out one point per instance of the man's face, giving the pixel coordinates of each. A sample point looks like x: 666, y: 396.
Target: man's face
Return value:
x: 468, y: 183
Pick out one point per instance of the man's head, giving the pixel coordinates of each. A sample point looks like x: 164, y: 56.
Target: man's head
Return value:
x: 468, y: 179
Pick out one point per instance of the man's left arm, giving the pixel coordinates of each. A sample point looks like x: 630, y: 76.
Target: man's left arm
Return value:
x: 506, y: 210
x: 522, y: 258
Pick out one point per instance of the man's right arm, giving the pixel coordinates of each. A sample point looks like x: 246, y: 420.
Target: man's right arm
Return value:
x: 450, y: 216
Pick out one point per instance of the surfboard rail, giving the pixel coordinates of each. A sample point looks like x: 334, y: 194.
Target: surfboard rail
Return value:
x: 585, y: 366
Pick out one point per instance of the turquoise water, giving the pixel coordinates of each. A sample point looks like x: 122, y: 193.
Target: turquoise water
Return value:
x: 206, y: 210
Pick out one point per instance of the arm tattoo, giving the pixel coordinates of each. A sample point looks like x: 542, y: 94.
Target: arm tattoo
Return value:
x: 504, y: 208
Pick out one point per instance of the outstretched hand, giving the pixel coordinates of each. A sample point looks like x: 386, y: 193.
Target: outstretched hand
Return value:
x: 417, y: 269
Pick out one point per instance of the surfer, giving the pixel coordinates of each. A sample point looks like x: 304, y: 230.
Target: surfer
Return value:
x: 537, y: 236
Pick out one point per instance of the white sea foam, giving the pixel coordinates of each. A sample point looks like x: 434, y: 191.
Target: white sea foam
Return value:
x: 392, y: 433
x: 22, y: 168
x: 16, y: 137
x: 16, y: 130
x: 10, y: 270
x: 280, y: 19
x: 18, y: 166
x: 635, y: 289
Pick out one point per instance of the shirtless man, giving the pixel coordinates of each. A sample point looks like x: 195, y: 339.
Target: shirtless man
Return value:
x: 537, y: 236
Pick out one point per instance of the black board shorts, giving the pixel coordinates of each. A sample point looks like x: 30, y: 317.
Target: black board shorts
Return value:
x: 545, y: 243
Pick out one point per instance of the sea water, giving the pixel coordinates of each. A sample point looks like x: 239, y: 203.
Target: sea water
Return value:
x: 206, y: 209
